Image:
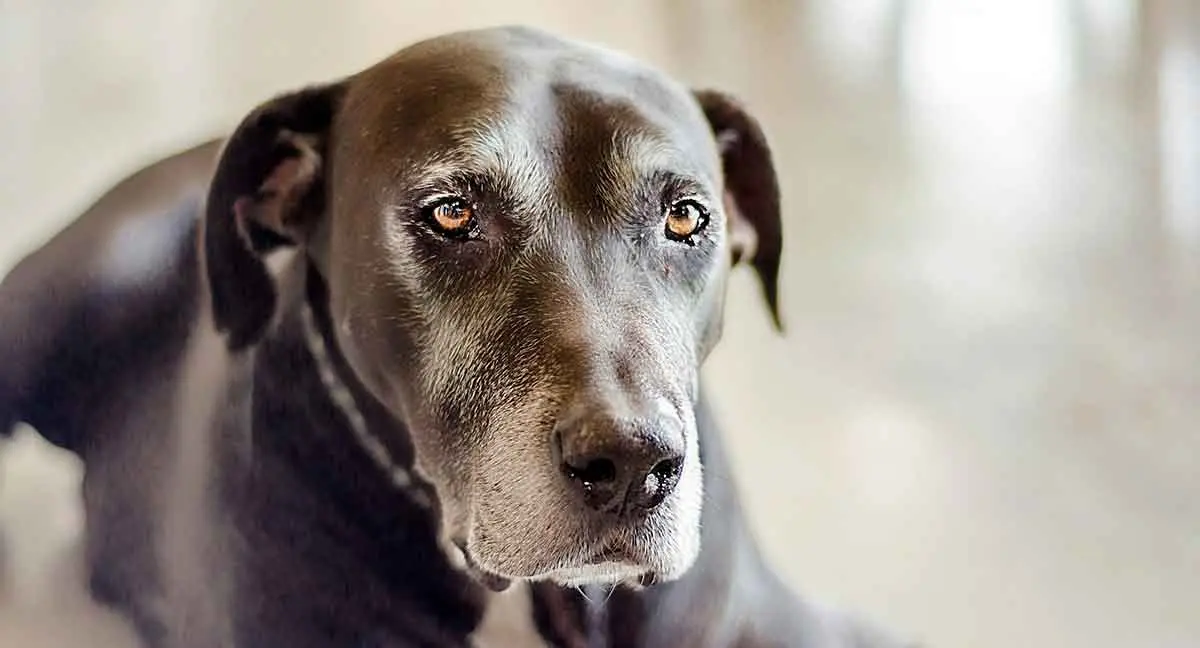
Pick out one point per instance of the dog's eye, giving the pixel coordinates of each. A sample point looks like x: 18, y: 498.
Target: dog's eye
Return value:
x: 451, y: 217
x: 685, y: 219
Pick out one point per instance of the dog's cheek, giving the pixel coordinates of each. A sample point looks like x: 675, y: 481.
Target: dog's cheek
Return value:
x: 379, y: 348
x: 376, y: 308
x: 517, y: 527
x: 522, y: 518
x: 382, y: 323
x: 455, y: 390
x: 690, y: 299
x: 709, y: 322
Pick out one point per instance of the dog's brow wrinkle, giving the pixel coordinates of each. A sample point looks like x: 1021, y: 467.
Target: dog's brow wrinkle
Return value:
x: 637, y: 155
x: 498, y: 148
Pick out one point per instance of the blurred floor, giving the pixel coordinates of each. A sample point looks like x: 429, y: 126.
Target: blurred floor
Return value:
x: 983, y: 425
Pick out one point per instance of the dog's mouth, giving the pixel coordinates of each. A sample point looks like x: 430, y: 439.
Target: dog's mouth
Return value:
x: 611, y: 564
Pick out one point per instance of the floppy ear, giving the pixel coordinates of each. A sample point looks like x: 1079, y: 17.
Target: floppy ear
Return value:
x: 751, y: 191
x: 268, y: 191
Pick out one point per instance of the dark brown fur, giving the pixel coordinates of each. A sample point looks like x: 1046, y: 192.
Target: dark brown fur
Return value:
x: 232, y: 418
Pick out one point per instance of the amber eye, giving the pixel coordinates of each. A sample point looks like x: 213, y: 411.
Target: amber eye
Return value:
x: 451, y: 217
x: 685, y: 219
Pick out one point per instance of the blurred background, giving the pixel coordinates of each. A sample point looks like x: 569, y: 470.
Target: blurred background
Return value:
x: 982, y: 428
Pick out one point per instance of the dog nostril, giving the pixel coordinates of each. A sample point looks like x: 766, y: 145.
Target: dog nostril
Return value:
x: 659, y: 483
x: 595, y: 471
x: 596, y: 478
x: 668, y: 470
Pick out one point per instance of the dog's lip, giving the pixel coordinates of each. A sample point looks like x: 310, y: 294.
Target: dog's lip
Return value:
x: 494, y: 582
x: 600, y: 574
x: 619, y: 553
x: 608, y: 554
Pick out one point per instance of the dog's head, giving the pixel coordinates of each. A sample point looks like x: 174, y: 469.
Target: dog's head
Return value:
x: 525, y: 243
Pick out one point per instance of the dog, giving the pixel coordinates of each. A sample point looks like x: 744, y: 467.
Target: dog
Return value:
x: 412, y: 359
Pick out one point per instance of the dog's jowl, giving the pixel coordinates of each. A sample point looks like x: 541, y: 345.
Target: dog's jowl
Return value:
x: 417, y: 363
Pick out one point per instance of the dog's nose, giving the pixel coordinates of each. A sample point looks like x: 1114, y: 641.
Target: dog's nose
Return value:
x: 622, y: 465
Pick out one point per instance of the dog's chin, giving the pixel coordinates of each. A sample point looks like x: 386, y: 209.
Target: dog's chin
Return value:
x: 616, y: 573
x: 605, y: 573
x: 606, y: 568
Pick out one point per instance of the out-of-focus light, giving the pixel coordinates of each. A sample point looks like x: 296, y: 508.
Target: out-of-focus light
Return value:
x: 1112, y: 24
x: 854, y: 35
x: 985, y: 53
x: 1179, y: 139
x: 895, y: 459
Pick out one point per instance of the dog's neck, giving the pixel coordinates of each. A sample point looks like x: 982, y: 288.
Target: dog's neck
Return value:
x: 329, y: 504
x: 338, y: 468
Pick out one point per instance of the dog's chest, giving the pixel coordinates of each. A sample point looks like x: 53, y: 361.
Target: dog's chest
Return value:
x: 508, y: 621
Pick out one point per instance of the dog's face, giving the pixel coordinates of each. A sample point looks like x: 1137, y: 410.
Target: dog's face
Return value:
x: 525, y: 243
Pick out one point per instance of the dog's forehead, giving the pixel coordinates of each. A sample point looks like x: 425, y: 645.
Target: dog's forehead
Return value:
x: 507, y: 97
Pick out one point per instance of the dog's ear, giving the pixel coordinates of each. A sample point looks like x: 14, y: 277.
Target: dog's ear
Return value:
x: 268, y: 191
x: 751, y: 191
